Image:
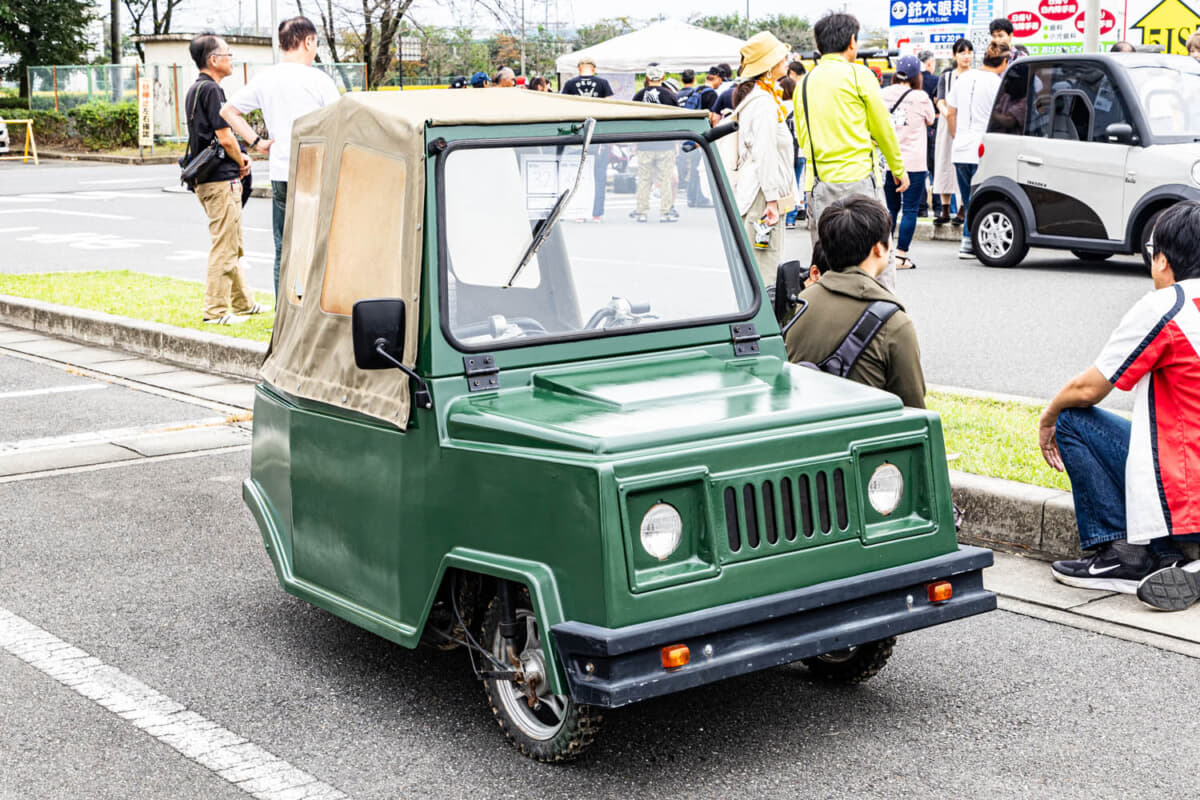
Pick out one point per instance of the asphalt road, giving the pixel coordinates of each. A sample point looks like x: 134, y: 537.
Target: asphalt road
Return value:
x: 154, y: 567
x: 1020, y: 331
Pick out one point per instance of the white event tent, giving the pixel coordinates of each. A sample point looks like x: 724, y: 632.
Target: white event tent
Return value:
x: 675, y: 46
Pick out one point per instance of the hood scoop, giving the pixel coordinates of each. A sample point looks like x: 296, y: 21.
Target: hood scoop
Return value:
x: 694, y: 376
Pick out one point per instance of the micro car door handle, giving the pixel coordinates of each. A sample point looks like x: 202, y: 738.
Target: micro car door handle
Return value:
x: 1034, y: 160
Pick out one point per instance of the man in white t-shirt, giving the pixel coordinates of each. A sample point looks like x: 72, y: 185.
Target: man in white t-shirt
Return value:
x: 968, y: 109
x: 283, y: 92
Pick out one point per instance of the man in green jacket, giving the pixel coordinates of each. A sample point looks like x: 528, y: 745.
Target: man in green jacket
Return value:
x: 849, y: 119
x: 855, y: 233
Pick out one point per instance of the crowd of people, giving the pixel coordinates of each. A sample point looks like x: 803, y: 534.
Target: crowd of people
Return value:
x: 859, y: 163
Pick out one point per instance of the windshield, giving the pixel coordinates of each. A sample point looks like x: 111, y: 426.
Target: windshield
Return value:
x: 1170, y: 98
x: 640, y: 243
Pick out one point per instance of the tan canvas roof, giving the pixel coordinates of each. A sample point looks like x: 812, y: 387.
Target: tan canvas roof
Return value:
x: 503, y: 106
x: 356, y: 194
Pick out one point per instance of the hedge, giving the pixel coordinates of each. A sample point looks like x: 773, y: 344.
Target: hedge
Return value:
x: 95, y: 126
x: 9, y: 103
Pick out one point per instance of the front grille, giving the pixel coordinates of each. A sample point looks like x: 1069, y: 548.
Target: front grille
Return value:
x: 800, y: 507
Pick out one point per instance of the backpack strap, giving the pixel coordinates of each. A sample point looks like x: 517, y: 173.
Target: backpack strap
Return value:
x: 869, y: 323
x: 892, y: 110
x: 812, y: 146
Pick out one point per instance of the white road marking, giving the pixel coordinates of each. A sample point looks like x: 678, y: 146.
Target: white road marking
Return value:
x: 62, y: 213
x: 110, y: 435
x: 25, y: 199
x: 242, y: 763
x: 625, y: 262
x: 19, y: 229
x: 129, y: 462
x: 85, y: 240
x: 257, y: 230
x: 87, y: 387
x: 112, y: 180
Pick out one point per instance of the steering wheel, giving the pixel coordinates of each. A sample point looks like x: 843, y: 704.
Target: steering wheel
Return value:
x: 617, y: 310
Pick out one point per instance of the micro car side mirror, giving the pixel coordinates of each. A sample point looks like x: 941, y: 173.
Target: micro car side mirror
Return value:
x: 1119, y: 133
x: 377, y: 328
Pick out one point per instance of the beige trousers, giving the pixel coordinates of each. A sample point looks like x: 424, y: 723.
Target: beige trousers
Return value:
x: 769, y: 257
x: 656, y: 166
x: 222, y: 202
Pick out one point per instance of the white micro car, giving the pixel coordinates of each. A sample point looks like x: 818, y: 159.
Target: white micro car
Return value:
x: 3, y: 137
x: 1083, y: 152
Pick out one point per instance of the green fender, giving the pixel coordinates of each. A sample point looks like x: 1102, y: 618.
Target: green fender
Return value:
x: 536, y: 577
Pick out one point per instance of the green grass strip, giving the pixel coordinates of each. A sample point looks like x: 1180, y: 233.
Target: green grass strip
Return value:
x: 986, y: 437
x: 171, y: 301
x: 995, y: 438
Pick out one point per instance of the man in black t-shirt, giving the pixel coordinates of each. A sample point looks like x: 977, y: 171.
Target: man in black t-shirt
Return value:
x: 724, y: 99
x: 226, y: 298
x: 587, y: 83
x: 656, y: 160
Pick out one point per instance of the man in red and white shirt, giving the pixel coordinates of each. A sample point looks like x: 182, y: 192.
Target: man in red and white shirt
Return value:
x: 1135, y: 482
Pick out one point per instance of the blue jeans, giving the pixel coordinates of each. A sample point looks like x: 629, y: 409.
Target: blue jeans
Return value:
x: 600, y: 176
x: 278, y: 214
x: 1095, y: 444
x: 904, y: 206
x: 965, y: 173
x: 790, y: 217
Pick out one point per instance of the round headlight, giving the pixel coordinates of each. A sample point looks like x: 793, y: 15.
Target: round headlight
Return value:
x: 885, y: 488
x: 662, y: 530
x: 1196, y: 172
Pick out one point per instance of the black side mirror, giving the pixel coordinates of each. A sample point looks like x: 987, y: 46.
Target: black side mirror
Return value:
x: 377, y: 327
x: 1119, y: 133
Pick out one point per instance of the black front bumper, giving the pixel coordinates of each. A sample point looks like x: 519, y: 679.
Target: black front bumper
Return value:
x: 612, y: 667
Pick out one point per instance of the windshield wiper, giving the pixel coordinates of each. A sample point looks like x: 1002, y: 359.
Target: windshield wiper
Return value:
x: 544, y: 231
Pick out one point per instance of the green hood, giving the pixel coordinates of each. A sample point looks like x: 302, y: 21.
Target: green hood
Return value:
x: 640, y: 403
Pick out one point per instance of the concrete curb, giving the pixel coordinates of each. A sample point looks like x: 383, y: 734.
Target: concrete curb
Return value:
x: 1001, y: 514
x: 209, y: 352
x: 66, y: 155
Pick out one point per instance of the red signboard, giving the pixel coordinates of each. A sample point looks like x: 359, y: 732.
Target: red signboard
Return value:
x: 1107, y: 22
x: 1058, y: 10
x: 1025, y: 23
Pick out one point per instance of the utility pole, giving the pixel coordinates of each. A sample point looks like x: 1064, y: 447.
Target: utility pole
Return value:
x: 1091, y: 27
x: 275, y: 31
x: 747, y: 19
x: 114, y: 31
x: 522, y: 37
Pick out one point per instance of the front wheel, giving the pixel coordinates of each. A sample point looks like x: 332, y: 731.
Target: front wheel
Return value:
x: 545, y: 726
x: 998, y: 234
x: 854, y: 664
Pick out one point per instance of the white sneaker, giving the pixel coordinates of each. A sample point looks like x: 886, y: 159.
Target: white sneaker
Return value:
x: 966, y: 252
x: 228, y: 319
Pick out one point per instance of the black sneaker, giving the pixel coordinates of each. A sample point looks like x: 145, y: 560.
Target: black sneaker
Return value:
x: 670, y: 215
x: 1172, y: 588
x: 1115, y: 567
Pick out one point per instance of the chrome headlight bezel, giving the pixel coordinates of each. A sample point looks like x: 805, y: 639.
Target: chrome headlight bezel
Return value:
x: 1196, y: 173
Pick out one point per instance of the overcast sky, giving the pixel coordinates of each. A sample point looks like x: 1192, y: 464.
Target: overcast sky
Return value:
x: 218, y: 14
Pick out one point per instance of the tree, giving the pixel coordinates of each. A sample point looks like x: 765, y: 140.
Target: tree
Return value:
x: 796, y: 31
x: 161, y: 12
x: 41, y: 33
x: 602, y: 31
x: 371, y: 27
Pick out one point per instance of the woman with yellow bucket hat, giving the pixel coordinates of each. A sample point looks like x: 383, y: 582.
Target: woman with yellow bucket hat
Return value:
x: 764, y: 179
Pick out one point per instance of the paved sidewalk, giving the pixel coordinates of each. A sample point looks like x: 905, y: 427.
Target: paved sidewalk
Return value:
x: 1024, y: 584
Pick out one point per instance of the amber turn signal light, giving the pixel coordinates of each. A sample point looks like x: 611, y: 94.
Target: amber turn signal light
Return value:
x: 675, y: 655
x: 940, y: 592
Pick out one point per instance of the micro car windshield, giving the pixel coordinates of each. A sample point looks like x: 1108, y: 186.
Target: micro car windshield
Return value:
x: 1170, y: 98
x: 643, y: 242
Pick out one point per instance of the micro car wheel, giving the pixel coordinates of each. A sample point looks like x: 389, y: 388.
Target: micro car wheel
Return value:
x: 854, y: 664
x: 544, y: 726
x: 1084, y: 255
x: 998, y: 235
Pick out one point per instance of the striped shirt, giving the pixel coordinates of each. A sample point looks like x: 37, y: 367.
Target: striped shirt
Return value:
x: 1155, y: 351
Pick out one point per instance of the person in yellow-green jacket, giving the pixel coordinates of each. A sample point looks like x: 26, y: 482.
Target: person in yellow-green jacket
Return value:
x: 849, y: 119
